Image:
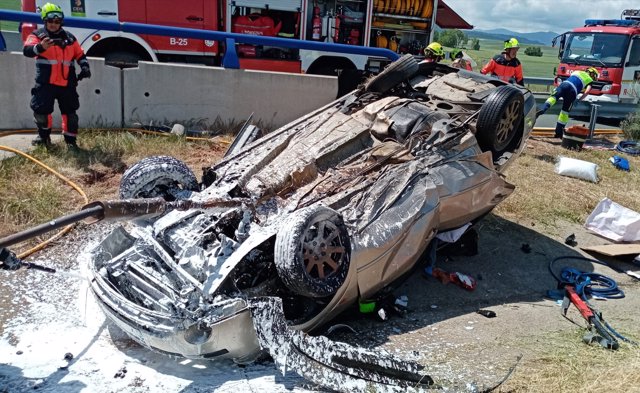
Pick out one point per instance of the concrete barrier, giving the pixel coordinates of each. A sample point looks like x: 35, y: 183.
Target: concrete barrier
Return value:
x: 100, y: 96
x: 186, y: 93
x: 158, y: 93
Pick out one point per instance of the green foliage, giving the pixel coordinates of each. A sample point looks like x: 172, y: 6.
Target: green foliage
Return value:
x: 533, y: 51
x: 452, y: 38
x: 631, y: 126
x: 475, y: 44
x: 13, y: 5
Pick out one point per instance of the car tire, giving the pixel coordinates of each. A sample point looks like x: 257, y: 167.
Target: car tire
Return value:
x: 396, y: 72
x: 313, y: 252
x: 500, y: 119
x: 156, y: 176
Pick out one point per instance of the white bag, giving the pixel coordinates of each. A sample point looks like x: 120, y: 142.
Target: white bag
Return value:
x: 571, y: 167
x: 615, y: 222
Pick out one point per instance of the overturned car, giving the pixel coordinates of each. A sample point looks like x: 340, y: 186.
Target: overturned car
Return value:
x: 294, y: 227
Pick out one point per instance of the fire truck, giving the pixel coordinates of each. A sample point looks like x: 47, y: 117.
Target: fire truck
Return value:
x: 404, y: 26
x: 613, y: 47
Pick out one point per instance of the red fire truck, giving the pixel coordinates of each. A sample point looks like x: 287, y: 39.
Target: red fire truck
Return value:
x: 404, y: 26
x: 613, y: 47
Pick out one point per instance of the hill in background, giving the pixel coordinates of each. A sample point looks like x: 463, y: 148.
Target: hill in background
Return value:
x: 537, y: 38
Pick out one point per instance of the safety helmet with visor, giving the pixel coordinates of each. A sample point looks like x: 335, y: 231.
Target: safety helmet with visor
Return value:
x: 435, y: 49
x: 51, y: 11
x: 593, y: 73
x: 511, y: 43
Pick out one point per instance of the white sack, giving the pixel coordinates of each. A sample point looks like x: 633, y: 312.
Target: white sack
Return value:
x: 571, y: 167
x: 614, y: 222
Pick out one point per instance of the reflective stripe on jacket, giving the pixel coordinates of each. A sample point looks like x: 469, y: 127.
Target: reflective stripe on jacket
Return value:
x: 504, y: 69
x: 580, y: 80
x: 54, y: 65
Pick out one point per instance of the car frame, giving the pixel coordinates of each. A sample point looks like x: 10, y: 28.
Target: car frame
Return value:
x: 305, y: 221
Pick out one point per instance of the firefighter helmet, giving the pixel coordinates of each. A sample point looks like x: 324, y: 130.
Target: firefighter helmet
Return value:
x: 593, y: 73
x: 511, y: 43
x: 457, y: 54
x: 434, y: 48
x: 50, y: 11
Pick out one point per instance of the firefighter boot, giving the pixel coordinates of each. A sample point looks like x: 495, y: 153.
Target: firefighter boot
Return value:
x: 43, y: 138
x: 559, y: 130
x: 70, y: 140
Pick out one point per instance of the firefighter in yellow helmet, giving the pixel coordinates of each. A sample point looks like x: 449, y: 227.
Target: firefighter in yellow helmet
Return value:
x: 578, y: 82
x: 55, y: 50
x: 433, y: 53
x: 506, y: 65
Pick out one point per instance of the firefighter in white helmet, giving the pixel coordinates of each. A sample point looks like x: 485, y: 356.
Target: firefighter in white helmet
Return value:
x: 578, y: 82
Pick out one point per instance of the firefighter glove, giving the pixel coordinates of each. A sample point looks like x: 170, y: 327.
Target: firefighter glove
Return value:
x: 85, y: 72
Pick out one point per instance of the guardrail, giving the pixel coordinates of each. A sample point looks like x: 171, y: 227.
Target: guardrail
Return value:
x: 230, y: 59
x: 538, y: 81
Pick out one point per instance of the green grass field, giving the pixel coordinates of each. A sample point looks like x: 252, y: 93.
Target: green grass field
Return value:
x: 9, y: 5
x: 532, y: 66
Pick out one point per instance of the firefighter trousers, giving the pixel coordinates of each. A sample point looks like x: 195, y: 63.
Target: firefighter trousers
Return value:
x: 43, y: 97
x: 567, y: 92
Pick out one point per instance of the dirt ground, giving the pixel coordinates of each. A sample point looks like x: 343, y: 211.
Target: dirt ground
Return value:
x: 44, y: 316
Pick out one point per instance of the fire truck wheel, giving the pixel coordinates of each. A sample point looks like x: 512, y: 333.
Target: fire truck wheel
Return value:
x: 122, y: 59
x: 313, y: 252
x: 157, y: 176
x: 396, y: 72
x: 500, y: 119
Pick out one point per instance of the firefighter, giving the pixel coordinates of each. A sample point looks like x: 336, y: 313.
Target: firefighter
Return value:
x: 55, y: 50
x: 459, y: 61
x: 433, y: 53
x: 578, y: 82
x: 505, y: 65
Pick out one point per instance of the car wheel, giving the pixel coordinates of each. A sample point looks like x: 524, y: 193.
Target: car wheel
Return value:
x: 500, y: 119
x: 396, y: 72
x: 157, y: 176
x: 313, y: 252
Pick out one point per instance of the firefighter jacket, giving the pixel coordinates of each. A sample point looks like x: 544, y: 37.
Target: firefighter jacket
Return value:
x: 55, y: 65
x: 579, y: 80
x: 504, y: 69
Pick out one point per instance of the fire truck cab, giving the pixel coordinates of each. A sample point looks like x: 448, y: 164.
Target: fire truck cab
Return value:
x: 613, y: 47
x: 404, y: 26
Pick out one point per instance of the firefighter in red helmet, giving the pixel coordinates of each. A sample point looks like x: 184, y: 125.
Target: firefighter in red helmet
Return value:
x: 55, y: 50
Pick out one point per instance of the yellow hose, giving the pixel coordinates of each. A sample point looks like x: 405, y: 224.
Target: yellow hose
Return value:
x: 543, y: 131
x: 61, y: 177
x: 69, y: 182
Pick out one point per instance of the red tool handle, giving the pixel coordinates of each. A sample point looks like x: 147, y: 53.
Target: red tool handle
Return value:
x: 579, y: 303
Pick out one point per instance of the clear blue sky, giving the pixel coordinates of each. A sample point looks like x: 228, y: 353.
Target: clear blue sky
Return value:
x: 526, y: 16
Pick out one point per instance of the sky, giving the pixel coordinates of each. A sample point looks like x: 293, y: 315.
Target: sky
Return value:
x: 527, y: 16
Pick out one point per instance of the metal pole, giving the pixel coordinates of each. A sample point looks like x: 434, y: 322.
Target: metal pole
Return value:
x: 593, y: 120
x: 50, y: 226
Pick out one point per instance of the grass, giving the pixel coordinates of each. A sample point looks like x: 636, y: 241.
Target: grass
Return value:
x: 29, y: 195
x: 572, y: 366
x: 542, y: 196
x: 532, y: 66
x: 9, y: 5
